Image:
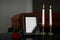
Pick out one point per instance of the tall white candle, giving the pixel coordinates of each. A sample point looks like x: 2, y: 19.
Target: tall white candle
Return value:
x: 50, y: 16
x: 43, y: 16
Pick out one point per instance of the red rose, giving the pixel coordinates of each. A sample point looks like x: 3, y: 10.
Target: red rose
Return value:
x: 15, y: 35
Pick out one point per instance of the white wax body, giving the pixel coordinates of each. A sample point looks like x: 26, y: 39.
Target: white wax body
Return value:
x: 43, y: 17
x: 50, y: 17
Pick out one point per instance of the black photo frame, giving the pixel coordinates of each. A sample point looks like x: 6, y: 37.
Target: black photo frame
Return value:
x: 24, y: 25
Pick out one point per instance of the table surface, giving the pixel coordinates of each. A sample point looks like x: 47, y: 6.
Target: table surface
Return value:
x: 7, y: 36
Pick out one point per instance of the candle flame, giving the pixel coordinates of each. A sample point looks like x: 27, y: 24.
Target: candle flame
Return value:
x: 43, y: 6
x: 50, y: 6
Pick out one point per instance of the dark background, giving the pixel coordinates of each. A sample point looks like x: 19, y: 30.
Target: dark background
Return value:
x: 37, y: 5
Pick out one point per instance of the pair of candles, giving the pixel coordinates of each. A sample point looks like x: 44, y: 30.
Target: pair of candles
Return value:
x: 43, y: 16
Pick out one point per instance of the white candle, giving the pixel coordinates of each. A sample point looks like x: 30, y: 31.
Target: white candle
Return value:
x: 43, y: 16
x: 50, y: 16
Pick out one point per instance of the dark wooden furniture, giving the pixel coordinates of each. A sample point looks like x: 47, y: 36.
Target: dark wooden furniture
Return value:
x: 17, y: 20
